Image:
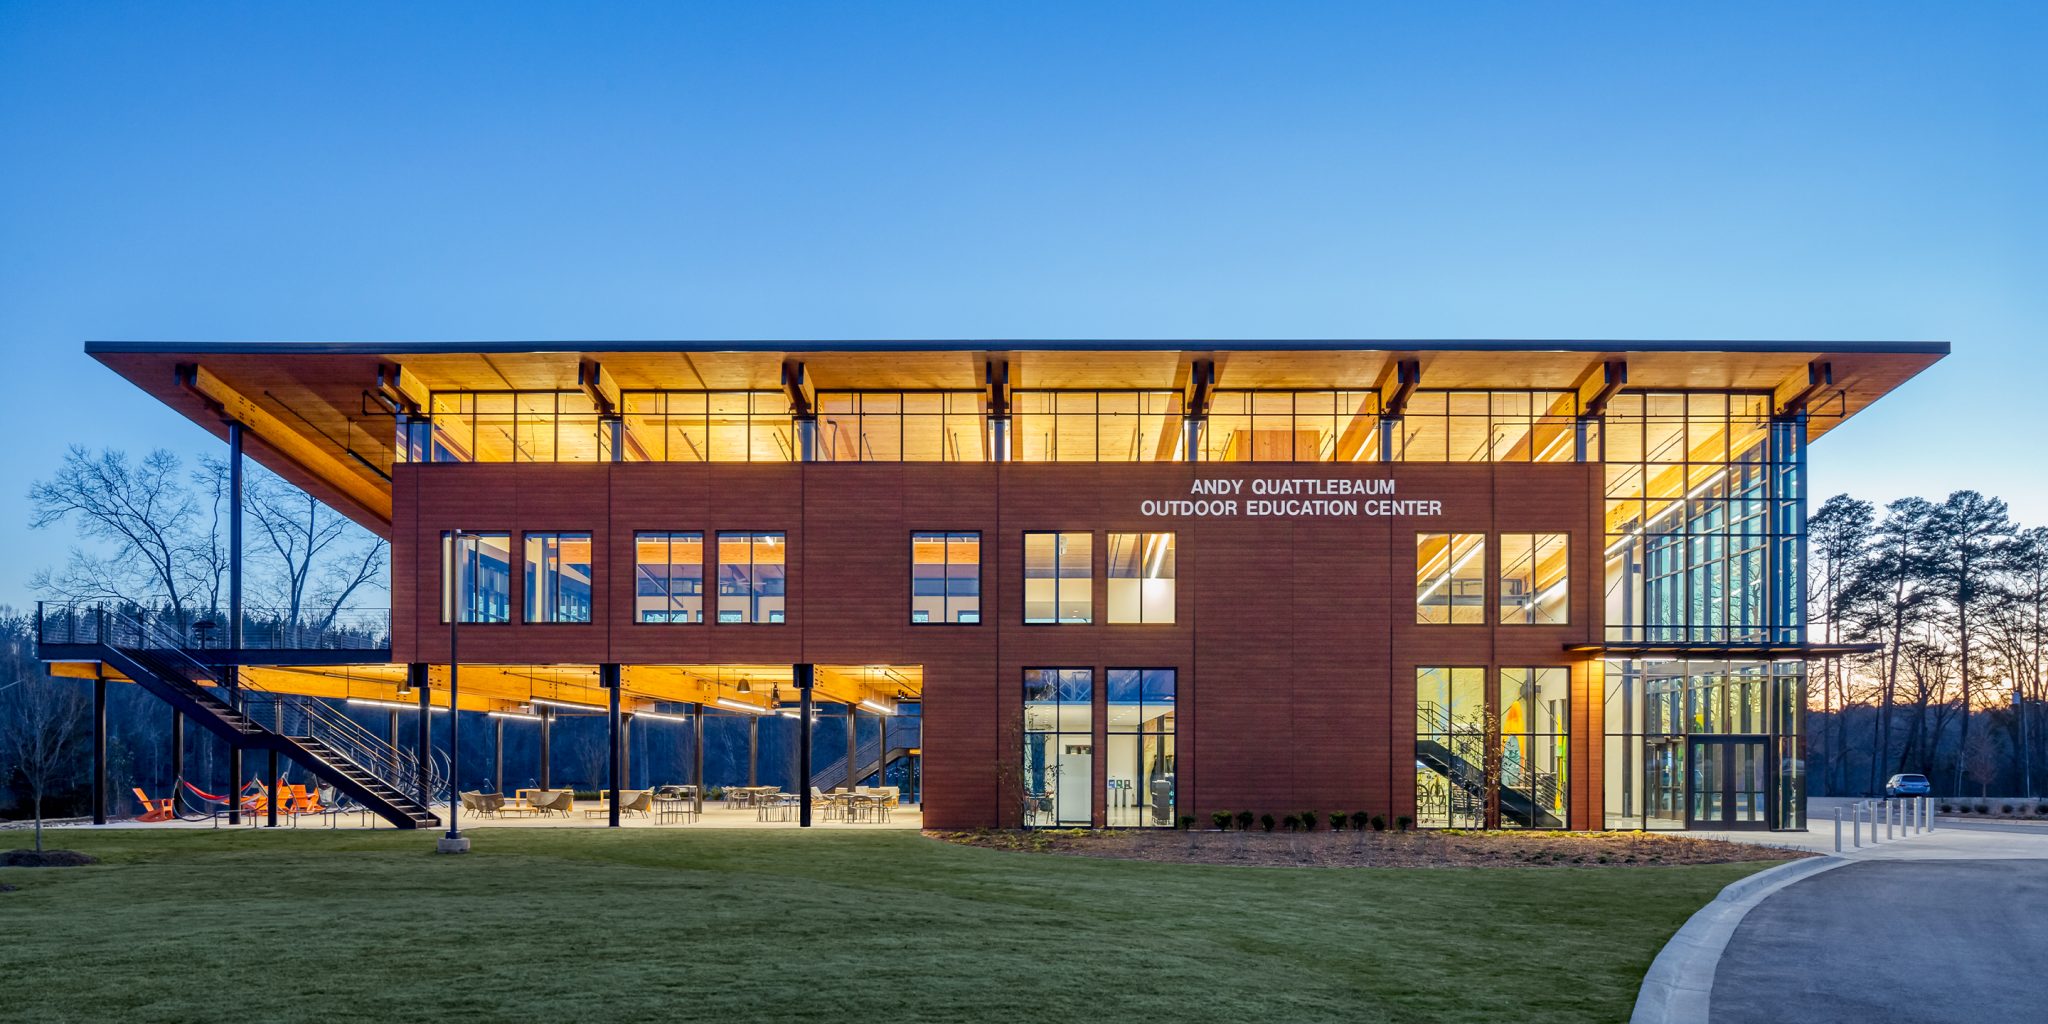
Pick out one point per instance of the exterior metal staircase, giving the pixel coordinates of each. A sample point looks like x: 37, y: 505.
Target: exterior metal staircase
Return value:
x: 1516, y: 803
x: 369, y: 770
x: 905, y: 735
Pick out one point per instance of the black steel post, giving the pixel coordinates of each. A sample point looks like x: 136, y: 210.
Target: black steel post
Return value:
x: 177, y: 750
x: 609, y: 678
x: 454, y: 727
x: 882, y: 751
x: 697, y: 753
x: 852, y: 742
x: 547, y: 743
x: 626, y: 749
x: 803, y: 675
x: 231, y: 671
x: 276, y: 788
x: 500, y: 748
x: 99, y: 750
x: 424, y: 736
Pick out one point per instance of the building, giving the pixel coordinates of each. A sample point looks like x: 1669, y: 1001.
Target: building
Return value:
x: 1489, y: 583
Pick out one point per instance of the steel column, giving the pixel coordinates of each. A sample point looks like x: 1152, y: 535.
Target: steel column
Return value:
x: 424, y: 739
x: 852, y: 741
x: 500, y: 766
x: 177, y: 750
x: 697, y: 753
x: 231, y: 672
x: 454, y: 725
x: 608, y: 677
x: 547, y: 746
x: 803, y: 676
x: 99, y: 751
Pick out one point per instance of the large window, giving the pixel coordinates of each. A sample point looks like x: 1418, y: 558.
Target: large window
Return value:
x: 668, y: 577
x: 1059, y: 578
x: 1488, y: 426
x: 1450, y: 747
x: 1095, y: 426
x: 476, y: 577
x: 1703, y: 743
x: 1534, y: 572
x: 908, y: 426
x: 945, y: 578
x: 558, y: 577
x: 1140, y: 752
x: 1705, y: 519
x: 1534, y: 721
x: 1059, y: 746
x: 1450, y: 578
x: 521, y: 426
x: 1292, y: 426
x: 1141, y: 574
x: 750, y: 577
x: 708, y: 426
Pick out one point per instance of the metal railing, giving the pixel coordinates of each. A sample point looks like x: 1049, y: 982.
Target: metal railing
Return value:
x: 267, y: 629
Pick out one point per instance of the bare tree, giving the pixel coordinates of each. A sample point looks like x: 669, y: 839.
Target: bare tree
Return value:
x: 40, y: 725
x: 142, y: 510
x: 319, y: 559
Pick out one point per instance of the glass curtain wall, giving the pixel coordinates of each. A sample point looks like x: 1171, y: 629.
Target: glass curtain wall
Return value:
x: 1059, y: 746
x: 945, y: 578
x: 1705, y: 743
x: 511, y: 426
x: 750, y: 577
x: 1141, y: 572
x: 1292, y: 426
x: 907, y: 426
x: 1450, y: 747
x: 1095, y: 426
x: 558, y: 577
x: 1140, y: 751
x: 476, y: 577
x: 1488, y: 426
x: 708, y: 426
x: 1535, y: 721
x: 668, y: 577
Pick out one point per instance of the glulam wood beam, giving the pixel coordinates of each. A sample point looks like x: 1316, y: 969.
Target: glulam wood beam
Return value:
x: 340, y: 473
x: 1599, y: 384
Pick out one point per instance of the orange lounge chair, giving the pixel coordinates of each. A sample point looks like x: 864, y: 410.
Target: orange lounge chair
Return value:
x: 304, y: 800
x: 154, y: 810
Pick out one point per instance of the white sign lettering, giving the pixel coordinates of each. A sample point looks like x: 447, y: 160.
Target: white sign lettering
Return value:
x: 1330, y: 497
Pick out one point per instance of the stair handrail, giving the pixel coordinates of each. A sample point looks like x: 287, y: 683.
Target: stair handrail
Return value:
x: 320, y: 720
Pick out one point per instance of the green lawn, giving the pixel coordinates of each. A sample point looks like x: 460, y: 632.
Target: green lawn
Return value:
x: 836, y: 926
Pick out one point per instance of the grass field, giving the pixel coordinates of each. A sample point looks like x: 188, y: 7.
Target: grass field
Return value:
x: 831, y: 926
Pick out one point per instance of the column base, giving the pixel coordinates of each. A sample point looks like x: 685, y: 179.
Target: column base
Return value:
x: 458, y: 844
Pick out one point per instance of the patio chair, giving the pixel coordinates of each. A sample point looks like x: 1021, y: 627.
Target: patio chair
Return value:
x: 472, y: 802
x: 561, y: 801
x: 833, y: 808
x: 155, y: 810
x: 640, y: 803
x: 489, y: 804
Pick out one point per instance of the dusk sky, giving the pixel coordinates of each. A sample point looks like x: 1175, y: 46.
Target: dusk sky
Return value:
x: 1197, y: 171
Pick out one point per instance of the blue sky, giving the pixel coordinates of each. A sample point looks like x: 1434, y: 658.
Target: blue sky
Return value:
x: 558, y: 171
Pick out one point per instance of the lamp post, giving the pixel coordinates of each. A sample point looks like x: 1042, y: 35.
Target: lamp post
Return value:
x: 454, y: 841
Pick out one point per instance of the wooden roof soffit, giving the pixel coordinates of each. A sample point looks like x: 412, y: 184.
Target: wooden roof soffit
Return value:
x: 1201, y: 383
x: 1799, y: 391
x: 1599, y: 384
x: 996, y: 373
x: 286, y: 442
x: 1397, y: 383
x: 796, y: 383
x: 402, y: 390
x: 597, y: 382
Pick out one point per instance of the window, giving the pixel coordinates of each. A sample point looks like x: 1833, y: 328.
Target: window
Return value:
x: 1059, y: 577
x: 945, y: 578
x: 1141, y: 577
x: 1450, y: 578
x: 1534, y: 706
x: 1059, y: 746
x: 513, y: 426
x: 1095, y: 426
x: 750, y: 577
x: 668, y: 577
x: 558, y: 577
x: 1488, y: 426
x: 707, y: 426
x: 1292, y: 426
x: 1450, y: 747
x: 1140, y: 737
x: 909, y: 426
x: 1534, y: 568
x: 476, y: 577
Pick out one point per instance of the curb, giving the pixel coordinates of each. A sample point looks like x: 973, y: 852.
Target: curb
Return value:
x: 1681, y: 979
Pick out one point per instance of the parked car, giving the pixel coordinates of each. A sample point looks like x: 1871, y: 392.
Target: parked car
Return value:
x: 1907, y: 785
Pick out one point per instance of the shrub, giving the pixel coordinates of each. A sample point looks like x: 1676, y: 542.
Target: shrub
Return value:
x: 1361, y: 820
x: 1266, y: 821
x: 1379, y: 822
x: 1403, y: 822
x: 1947, y: 808
x: 1337, y: 821
x: 1186, y: 822
x: 1291, y: 823
x: 1309, y: 819
x: 1221, y: 820
x: 2005, y: 809
x: 1983, y: 808
x: 1244, y: 821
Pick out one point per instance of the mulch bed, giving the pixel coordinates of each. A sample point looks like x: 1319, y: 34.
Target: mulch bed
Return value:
x: 46, y: 859
x: 1434, y: 849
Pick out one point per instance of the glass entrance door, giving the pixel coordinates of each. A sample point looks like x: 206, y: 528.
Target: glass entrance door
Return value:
x: 1727, y: 780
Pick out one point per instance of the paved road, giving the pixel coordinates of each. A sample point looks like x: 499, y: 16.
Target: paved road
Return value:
x: 1892, y: 941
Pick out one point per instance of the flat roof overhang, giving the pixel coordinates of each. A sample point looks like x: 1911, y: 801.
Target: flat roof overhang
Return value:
x: 318, y: 413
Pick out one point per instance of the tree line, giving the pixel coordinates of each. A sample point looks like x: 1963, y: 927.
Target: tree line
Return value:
x: 1952, y: 596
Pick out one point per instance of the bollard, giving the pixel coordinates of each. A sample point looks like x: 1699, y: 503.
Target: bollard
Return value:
x: 1888, y: 809
x: 1838, y: 830
x: 1856, y: 825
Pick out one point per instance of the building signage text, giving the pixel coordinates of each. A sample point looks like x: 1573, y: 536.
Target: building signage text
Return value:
x: 1291, y: 496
